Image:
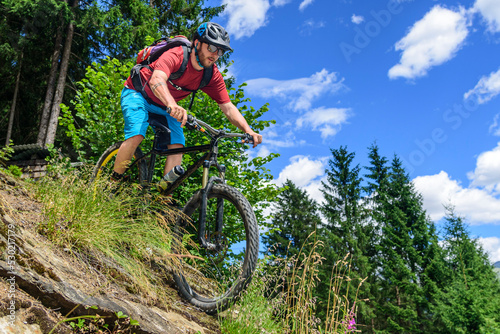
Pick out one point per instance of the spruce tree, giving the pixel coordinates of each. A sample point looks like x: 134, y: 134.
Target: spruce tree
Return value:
x: 296, y: 222
x: 347, y: 230
x: 469, y: 302
x: 375, y: 196
x: 296, y: 216
x: 342, y: 193
x: 404, y: 250
x: 432, y: 279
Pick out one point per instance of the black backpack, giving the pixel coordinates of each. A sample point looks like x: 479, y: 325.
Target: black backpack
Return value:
x: 151, y: 53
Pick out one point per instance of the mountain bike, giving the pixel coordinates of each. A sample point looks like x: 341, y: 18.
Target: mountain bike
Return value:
x: 213, y: 210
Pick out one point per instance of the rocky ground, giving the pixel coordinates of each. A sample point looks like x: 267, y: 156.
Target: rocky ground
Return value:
x: 42, y: 284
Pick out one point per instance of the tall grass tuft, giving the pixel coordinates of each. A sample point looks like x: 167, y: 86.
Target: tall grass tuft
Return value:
x: 281, y: 297
x: 126, y: 230
x: 254, y: 313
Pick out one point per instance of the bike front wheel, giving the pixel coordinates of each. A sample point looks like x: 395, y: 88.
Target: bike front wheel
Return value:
x: 216, y: 282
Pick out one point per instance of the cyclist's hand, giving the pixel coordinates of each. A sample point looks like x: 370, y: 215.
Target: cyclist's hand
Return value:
x: 257, y: 139
x: 179, y: 113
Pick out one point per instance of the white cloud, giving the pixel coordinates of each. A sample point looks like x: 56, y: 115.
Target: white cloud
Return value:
x: 357, y: 19
x: 495, y: 127
x: 432, y: 41
x: 308, y: 26
x: 302, y: 170
x: 245, y: 17
x: 264, y: 151
x: 480, y: 202
x: 486, y: 89
x: 487, y: 172
x: 492, y: 247
x: 272, y: 141
x: 327, y: 120
x: 490, y: 10
x: 304, y: 4
x: 477, y: 205
x: 299, y: 92
x: 314, y: 190
x: 286, y: 141
x: 279, y: 3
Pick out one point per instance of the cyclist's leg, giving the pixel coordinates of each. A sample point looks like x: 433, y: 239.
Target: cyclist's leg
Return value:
x: 173, y: 160
x: 125, y: 153
x: 134, y: 108
x: 177, y: 139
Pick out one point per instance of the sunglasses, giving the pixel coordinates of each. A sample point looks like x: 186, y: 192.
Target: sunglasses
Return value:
x: 213, y: 48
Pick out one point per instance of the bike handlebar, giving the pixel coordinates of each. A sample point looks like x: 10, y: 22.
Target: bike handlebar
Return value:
x: 195, y: 124
x: 200, y: 125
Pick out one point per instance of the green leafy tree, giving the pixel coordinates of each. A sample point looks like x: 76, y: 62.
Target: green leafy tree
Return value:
x: 96, y: 121
x: 469, y: 300
x: 295, y: 217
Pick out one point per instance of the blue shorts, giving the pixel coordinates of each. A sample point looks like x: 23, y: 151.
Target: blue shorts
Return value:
x: 135, y: 110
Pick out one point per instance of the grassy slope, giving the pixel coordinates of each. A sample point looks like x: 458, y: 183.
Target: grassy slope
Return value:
x: 132, y: 229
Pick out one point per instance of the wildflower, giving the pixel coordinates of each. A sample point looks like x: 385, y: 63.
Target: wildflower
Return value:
x: 352, y: 325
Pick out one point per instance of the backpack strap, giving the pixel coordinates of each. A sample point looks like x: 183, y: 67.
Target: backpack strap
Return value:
x: 139, y: 86
x: 207, y: 76
x: 205, y: 80
x: 180, y: 71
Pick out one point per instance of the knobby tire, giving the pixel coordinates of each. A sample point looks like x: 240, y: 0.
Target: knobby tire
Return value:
x: 224, y: 299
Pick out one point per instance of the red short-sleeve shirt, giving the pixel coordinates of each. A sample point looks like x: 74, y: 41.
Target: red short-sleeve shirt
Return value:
x: 169, y: 62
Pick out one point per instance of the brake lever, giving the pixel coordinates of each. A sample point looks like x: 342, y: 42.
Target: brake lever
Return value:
x: 191, y: 124
x: 247, y: 139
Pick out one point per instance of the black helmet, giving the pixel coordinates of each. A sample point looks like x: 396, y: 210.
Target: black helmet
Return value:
x: 213, y: 33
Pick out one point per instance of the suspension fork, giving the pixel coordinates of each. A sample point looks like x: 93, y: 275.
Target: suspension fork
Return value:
x: 220, y: 209
x: 206, y: 186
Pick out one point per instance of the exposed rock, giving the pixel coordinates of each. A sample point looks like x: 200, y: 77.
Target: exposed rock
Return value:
x: 46, y: 284
x: 18, y: 327
x: 22, y: 314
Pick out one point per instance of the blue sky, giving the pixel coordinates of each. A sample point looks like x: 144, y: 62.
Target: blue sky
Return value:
x: 420, y: 79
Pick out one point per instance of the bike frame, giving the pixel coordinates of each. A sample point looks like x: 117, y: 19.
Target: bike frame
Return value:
x: 208, y: 160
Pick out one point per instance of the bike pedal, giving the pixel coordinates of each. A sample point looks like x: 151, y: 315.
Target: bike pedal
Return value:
x: 210, y: 246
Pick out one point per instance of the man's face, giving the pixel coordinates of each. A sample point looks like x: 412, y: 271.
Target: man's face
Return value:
x: 207, y: 58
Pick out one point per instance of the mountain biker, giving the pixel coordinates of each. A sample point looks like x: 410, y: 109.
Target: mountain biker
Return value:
x: 210, y: 41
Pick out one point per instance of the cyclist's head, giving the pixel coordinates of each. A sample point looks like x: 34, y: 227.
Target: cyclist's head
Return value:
x: 212, y: 33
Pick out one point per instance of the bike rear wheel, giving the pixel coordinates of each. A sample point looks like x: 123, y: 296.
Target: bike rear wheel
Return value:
x: 104, y: 168
x: 200, y: 283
